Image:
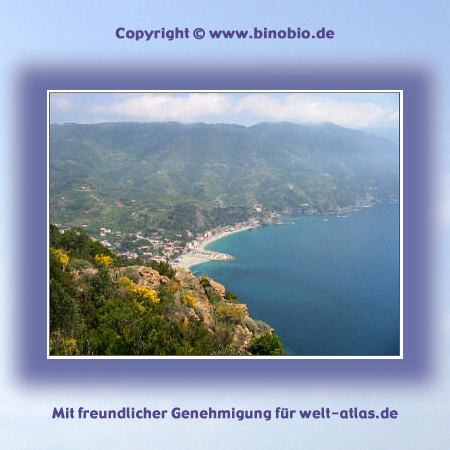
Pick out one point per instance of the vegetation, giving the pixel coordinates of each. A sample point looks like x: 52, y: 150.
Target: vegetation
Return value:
x: 171, y: 181
x: 267, y: 344
x: 163, y: 268
x: 98, y: 306
x: 174, y: 177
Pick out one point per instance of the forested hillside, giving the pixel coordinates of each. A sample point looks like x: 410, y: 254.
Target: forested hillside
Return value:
x: 102, y: 305
x: 149, y: 176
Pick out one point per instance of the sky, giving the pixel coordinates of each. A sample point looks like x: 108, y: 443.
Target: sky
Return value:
x: 355, y: 110
x: 381, y: 34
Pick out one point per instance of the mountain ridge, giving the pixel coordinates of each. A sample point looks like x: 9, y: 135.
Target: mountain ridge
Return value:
x: 150, y: 167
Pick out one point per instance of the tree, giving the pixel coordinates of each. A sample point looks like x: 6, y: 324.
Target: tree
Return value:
x: 62, y: 308
x: 75, y: 240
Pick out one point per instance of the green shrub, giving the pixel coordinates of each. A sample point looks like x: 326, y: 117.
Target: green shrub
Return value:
x: 263, y: 327
x: 267, y: 344
x: 163, y: 268
x: 62, y: 307
x: 213, y: 296
x: 251, y: 325
x: 79, y: 264
x: 95, y: 248
x: 231, y: 297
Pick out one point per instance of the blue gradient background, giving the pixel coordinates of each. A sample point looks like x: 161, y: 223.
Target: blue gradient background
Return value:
x: 378, y: 45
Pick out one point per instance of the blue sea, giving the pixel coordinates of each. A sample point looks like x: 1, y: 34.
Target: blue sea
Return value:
x: 328, y: 285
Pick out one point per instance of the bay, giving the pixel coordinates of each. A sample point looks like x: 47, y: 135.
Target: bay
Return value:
x: 328, y: 285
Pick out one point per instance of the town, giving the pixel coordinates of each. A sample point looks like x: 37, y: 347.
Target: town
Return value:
x: 158, y: 247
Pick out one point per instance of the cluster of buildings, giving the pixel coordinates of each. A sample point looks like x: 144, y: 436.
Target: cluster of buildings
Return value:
x: 160, y: 248
x: 156, y: 247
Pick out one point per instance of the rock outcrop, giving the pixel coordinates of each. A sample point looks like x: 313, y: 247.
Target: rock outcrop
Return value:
x: 200, y: 297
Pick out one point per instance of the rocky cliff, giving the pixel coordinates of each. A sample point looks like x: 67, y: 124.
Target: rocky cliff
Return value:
x: 184, y: 304
x: 206, y: 300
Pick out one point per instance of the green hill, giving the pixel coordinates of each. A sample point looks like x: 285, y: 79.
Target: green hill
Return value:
x: 145, y: 176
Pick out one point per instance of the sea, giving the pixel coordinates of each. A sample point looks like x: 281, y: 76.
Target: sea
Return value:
x: 328, y: 285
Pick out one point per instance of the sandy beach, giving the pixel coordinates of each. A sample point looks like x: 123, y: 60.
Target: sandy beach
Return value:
x: 199, y: 254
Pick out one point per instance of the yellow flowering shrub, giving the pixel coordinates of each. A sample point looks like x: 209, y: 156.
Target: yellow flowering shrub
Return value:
x: 230, y: 313
x: 140, y: 306
x: 61, y: 256
x: 124, y: 282
x: 64, y: 347
x: 174, y: 286
x: 103, y: 259
x: 141, y: 292
x: 188, y: 300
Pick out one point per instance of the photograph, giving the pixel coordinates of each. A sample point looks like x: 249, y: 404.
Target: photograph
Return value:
x: 225, y: 224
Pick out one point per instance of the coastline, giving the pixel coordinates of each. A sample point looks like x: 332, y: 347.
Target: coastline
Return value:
x: 199, y: 254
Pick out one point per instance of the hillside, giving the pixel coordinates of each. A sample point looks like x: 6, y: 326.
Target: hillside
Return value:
x: 100, y: 307
x: 149, y: 176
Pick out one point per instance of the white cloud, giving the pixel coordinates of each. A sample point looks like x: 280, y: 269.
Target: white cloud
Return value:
x: 250, y: 108
x: 315, y: 109
x: 61, y: 103
x: 169, y: 107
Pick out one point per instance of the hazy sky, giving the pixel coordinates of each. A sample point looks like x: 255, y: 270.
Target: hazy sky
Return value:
x: 347, y: 109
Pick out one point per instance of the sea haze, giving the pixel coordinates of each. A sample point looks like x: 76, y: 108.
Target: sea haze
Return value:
x: 328, y: 285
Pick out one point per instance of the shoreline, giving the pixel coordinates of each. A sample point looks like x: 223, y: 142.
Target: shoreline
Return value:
x: 199, y: 254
